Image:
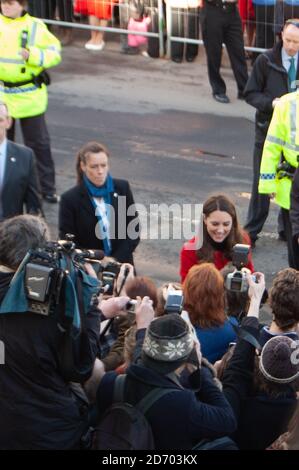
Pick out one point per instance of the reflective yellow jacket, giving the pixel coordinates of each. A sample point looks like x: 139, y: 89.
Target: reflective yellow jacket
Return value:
x: 283, y: 136
x: 27, y: 100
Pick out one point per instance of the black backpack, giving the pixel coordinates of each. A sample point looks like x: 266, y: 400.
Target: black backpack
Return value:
x: 124, y: 426
x: 220, y: 443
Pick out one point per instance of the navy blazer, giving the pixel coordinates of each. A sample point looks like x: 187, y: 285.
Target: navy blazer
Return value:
x: 77, y: 216
x: 20, y: 182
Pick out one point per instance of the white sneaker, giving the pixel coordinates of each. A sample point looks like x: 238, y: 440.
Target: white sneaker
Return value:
x: 145, y: 54
x: 95, y: 47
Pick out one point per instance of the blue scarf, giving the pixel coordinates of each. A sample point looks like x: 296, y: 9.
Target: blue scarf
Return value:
x: 105, y: 193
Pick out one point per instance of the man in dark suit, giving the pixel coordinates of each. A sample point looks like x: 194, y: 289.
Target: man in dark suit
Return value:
x: 18, y: 177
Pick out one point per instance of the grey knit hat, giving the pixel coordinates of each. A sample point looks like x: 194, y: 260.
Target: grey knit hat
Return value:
x: 168, y: 343
x: 279, y: 361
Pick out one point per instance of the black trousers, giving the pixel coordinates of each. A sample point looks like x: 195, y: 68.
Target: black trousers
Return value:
x: 264, y: 32
x: 293, y: 247
x: 184, y: 23
x: 36, y: 136
x: 222, y: 24
x: 259, y: 204
x: 46, y: 9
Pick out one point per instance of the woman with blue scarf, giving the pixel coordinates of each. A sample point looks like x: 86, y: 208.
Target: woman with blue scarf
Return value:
x: 100, y: 210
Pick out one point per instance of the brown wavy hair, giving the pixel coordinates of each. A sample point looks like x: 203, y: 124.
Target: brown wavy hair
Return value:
x: 141, y: 286
x: 204, y: 296
x: 284, y: 298
x: 220, y: 202
x: 83, y: 154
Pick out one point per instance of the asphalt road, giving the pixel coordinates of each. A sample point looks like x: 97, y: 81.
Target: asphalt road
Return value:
x: 166, y: 135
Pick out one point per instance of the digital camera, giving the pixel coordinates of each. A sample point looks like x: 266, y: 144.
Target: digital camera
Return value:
x: 174, y: 302
x: 237, y: 281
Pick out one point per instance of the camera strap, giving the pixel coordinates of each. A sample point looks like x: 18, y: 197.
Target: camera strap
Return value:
x: 246, y: 336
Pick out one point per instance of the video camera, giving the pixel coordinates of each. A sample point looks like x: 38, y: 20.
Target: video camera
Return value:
x: 236, y: 281
x: 108, y: 275
x: 46, y: 270
x: 174, y: 302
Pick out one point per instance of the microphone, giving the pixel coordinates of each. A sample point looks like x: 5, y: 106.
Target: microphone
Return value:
x: 91, y: 254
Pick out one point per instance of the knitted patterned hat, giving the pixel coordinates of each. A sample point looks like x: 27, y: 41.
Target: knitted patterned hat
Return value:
x: 279, y: 361
x: 168, y: 343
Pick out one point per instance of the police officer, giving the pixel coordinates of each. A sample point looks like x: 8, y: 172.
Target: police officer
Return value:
x: 272, y: 77
x: 280, y: 160
x: 27, y: 48
x: 221, y: 23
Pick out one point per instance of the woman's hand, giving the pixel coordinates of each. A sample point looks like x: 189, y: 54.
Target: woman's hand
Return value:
x: 114, y: 306
x: 256, y: 285
x: 255, y: 293
x: 144, y: 312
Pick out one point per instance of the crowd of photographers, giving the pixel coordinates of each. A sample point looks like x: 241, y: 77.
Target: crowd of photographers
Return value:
x: 71, y: 324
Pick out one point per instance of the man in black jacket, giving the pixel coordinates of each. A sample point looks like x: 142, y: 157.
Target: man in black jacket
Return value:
x: 268, y: 81
x: 19, y: 185
x: 37, y: 407
x: 261, y: 391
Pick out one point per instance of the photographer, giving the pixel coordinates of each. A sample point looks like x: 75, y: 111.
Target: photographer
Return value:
x: 185, y: 415
x: 261, y: 390
x: 204, y: 301
x: 37, y: 407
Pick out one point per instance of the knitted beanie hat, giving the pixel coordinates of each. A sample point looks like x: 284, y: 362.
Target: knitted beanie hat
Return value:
x: 279, y: 361
x: 168, y: 343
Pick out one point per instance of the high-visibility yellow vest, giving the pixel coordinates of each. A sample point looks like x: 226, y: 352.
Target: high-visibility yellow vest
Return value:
x: 282, y: 137
x: 27, y: 100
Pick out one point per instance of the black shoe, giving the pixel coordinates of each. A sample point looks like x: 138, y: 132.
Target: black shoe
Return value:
x: 51, y: 198
x: 241, y: 95
x: 177, y: 60
x: 221, y: 97
x: 282, y: 237
x: 190, y: 59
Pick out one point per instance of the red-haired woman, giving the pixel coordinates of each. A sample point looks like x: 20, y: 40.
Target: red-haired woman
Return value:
x: 221, y: 231
x: 204, y: 301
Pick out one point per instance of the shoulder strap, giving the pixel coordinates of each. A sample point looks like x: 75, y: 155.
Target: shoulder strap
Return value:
x: 146, y: 402
x: 119, y: 388
x: 150, y: 398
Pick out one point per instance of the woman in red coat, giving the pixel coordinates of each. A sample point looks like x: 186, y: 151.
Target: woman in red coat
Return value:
x: 221, y: 231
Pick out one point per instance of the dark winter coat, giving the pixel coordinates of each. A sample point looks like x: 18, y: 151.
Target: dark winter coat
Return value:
x: 178, y: 420
x: 37, y: 408
x: 268, y: 80
x: 77, y: 216
x: 261, y: 418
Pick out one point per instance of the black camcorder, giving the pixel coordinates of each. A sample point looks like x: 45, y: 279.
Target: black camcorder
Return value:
x: 46, y: 269
x: 108, y: 275
x: 236, y: 281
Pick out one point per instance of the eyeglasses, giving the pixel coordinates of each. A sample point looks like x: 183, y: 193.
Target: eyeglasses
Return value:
x: 293, y: 22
